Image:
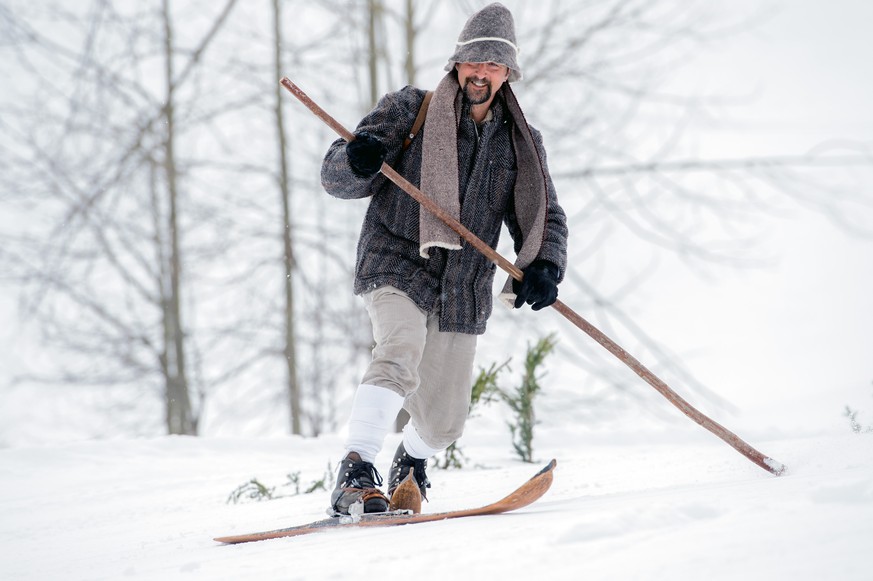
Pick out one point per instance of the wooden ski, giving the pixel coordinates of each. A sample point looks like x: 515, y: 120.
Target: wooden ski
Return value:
x: 527, y: 493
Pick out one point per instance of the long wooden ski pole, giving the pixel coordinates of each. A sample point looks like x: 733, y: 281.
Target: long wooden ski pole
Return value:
x: 765, y: 462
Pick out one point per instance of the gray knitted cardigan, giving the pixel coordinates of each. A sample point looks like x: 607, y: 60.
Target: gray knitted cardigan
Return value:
x: 456, y: 283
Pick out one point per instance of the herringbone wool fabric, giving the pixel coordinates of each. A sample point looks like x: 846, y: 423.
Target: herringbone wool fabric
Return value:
x: 459, y: 282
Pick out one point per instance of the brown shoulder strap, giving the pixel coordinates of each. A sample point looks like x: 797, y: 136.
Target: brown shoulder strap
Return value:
x: 419, y: 120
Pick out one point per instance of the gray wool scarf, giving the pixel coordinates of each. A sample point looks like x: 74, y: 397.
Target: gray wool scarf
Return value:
x: 439, y: 176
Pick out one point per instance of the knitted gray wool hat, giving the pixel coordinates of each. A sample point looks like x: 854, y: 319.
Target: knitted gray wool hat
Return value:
x: 488, y: 36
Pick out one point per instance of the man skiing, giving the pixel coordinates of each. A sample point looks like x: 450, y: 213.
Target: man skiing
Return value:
x: 429, y: 295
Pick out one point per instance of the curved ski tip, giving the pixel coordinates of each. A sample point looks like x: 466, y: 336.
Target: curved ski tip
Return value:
x: 407, y: 495
x: 548, y: 468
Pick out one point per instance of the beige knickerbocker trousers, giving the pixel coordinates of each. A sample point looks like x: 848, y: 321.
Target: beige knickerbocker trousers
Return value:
x: 432, y: 370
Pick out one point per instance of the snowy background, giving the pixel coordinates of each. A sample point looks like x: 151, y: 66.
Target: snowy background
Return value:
x: 647, y: 495
x: 784, y: 344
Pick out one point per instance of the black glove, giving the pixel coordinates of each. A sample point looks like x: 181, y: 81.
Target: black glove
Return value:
x: 539, y: 287
x: 366, y: 154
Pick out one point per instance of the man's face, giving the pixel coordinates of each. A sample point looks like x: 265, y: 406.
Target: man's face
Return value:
x: 481, y: 80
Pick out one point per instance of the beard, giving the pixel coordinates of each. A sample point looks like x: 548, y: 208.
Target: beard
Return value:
x: 476, y: 95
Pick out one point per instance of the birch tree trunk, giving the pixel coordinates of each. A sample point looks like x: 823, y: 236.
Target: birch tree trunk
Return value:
x: 290, y: 349
x: 373, y: 14
x: 180, y: 420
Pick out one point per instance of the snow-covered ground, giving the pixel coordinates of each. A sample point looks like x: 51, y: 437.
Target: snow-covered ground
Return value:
x: 645, y: 506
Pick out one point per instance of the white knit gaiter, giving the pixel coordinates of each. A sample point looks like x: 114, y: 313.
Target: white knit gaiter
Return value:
x: 373, y: 413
